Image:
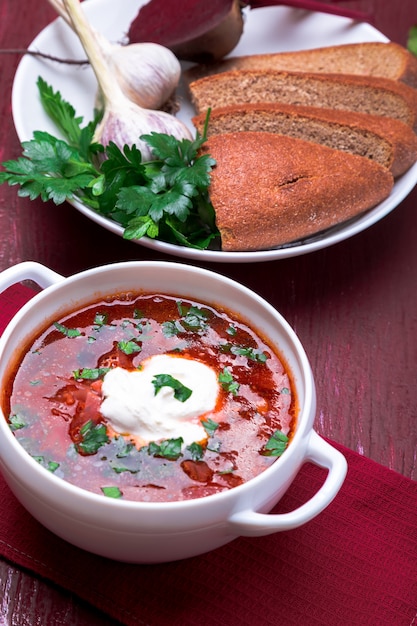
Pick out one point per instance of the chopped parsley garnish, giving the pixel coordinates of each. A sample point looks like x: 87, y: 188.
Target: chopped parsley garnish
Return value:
x: 192, y: 317
x: 125, y: 448
x: 170, y: 449
x: 112, y: 492
x: 128, y: 457
x: 181, y: 392
x: 51, y: 466
x: 166, y: 198
x: 276, y: 444
x: 210, y: 426
x: 100, y: 319
x: 225, y: 472
x: 196, y: 451
x: 129, y: 347
x: 93, y: 436
x: 68, y: 332
x: 228, y: 382
x: 16, y: 422
x: 171, y: 329
x: 90, y: 374
x: 250, y: 353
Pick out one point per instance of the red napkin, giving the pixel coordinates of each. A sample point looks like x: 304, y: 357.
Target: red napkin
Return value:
x: 355, y: 564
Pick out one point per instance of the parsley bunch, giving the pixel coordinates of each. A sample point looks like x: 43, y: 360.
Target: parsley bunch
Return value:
x: 166, y: 198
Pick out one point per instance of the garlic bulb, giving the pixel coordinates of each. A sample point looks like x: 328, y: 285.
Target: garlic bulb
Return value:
x: 148, y: 73
x: 123, y: 121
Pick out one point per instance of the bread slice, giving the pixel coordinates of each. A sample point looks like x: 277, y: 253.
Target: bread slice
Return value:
x: 375, y: 96
x: 374, y: 58
x: 268, y: 190
x: 389, y: 142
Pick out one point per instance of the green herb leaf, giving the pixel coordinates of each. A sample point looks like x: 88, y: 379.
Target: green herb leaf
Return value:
x: 127, y: 458
x: 68, y: 332
x: 172, y: 329
x: 51, y: 466
x: 93, y: 437
x: 210, y: 426
x: 125, y: 449
x: 181, y: 392
x: 129, y: 347
x: 168, y: 448
x: 250, y: 353
x: 193, y: 317
x: 228, y: 382
x: 226, y: 472
x: 64, y: 117
x: 196, y: 450
x: 100, y: 319
x: 16, y: 422
x: 90, y: 374
x: 138, y: 227
x: 112, y: 492
x: 276, y: 445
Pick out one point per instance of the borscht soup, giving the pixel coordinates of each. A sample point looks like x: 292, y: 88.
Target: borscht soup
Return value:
x: 152, y: 398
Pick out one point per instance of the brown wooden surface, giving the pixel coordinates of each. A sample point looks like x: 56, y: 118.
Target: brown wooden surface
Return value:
x: 354, y: 306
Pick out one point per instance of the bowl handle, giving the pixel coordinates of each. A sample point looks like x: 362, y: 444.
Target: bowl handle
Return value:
x: 28, y: 270
x: 252, y: 524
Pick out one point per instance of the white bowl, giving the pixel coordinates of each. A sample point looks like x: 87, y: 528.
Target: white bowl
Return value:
x: 143, y: 532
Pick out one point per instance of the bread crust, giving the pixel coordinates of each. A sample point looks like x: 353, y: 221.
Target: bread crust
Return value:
x: 364, y: 94
x: 373, y: 58
x: 268, y: 190
x: 389, y: 142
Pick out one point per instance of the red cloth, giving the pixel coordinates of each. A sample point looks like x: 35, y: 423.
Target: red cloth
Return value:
x: 355, y: 564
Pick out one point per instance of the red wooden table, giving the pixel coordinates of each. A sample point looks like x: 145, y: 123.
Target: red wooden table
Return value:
x: 354, y: 306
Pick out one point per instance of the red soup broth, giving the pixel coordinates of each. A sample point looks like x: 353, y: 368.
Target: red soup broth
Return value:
x: 52, y: 399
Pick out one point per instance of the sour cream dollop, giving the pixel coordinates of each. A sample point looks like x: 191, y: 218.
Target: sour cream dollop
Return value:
x: 132, y: 407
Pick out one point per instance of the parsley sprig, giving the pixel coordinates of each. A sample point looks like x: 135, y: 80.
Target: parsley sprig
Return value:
x: 166, y: 198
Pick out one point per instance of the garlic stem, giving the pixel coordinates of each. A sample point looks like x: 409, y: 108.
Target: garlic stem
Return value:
x: 148, y: 73
x: 123, y: 121
x: 88, y: 39
x: 60, y: 9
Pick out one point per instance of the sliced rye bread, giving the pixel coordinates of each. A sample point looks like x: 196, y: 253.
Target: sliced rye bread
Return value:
x: 389, y: 142
x: 268, y: 190
x: 373, y: 58
x: 375, y: 96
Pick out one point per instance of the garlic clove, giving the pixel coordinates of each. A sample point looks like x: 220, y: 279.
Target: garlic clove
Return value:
x: 148, y: 73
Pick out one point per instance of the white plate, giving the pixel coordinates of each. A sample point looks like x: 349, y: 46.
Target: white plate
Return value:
x: 266, y: 30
